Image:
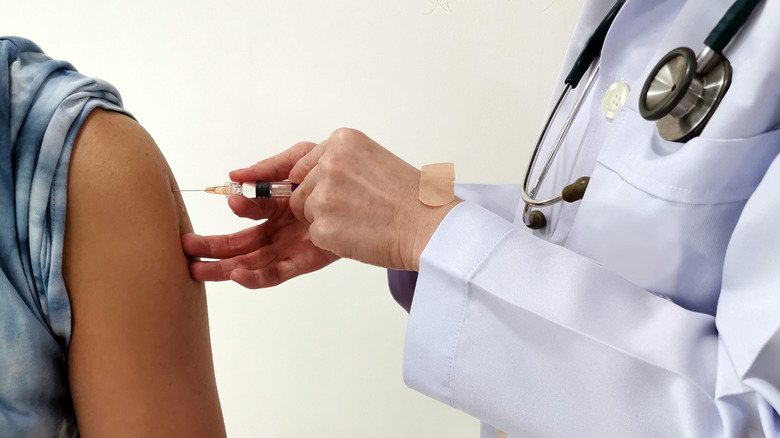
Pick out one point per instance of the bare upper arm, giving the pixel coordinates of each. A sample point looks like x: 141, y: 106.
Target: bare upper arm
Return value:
x: 140, y: 356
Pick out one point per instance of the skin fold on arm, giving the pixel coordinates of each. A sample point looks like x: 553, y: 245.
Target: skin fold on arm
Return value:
x: 139, y: 360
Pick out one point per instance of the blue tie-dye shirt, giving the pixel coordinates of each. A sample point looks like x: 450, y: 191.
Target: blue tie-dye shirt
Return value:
x: 42, y: 106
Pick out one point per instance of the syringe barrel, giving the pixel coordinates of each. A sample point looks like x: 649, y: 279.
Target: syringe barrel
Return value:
x: 274, y: 189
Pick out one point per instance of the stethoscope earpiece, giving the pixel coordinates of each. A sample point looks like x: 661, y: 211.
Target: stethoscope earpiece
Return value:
x: 536, y: 220
x: 576, y: 190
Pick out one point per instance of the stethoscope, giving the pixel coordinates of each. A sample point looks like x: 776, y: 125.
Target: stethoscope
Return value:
x: 681, y: 93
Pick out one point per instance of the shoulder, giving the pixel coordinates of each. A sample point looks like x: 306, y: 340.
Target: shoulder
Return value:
x: 140, y: 343
x: 121, y: 203
x: 116, y: 163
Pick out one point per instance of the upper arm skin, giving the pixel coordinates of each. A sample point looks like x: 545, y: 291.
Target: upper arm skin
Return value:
x: 139, y: 360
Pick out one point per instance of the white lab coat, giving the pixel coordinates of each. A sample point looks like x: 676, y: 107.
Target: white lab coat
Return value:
x: 650, y: 308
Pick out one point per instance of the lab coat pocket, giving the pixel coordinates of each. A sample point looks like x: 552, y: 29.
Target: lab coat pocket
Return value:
x: 661, y: 213
x: 701, y: 171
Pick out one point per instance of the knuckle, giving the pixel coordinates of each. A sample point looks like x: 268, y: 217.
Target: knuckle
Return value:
x: 285, y: 270
x: 315, y: 204
x: 270, y: 277
x: 328, y: 201
x: 342, y: 134
x: 233, y: 243
x: 322, y: 235
x: 304, y: 146
x: 316, y: 236
x: 334, y: 166
x: 329, y: 164
x: 309, y: 210
x: 225, y: 269
x: 325, y: 162
x: 347, y: 136
x: 297, y: 205
x: 244, y: 262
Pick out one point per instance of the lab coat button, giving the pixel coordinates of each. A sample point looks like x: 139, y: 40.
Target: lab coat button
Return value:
x: 614, y: 99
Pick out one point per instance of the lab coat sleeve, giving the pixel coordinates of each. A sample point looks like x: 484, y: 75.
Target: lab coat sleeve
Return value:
x: 748, y: 316
x: 540, y: 341
x: 502, y: 200
x: 499, y: 199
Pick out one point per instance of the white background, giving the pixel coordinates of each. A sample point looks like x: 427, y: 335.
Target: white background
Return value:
x: 221, y: 85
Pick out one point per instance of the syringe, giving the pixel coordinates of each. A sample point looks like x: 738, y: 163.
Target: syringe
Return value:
x: 258, y: 189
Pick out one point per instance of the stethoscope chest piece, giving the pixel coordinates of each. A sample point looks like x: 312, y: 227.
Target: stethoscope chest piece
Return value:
x: 682, y: 92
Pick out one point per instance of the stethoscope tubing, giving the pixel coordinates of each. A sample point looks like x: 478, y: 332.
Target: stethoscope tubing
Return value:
x: 528, y: 195
x: 590, y: 55
x: 728, y: 26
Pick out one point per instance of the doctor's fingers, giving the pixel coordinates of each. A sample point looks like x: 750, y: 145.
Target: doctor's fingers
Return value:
x: 269, y: 276
x: 268, y: 266
x: 229, y: 245
x: 220, y: 270
x: 274, y: 168
x: 255, y: 208
x: 300, y: 197
x: 283, y: 269
x: 343, y: 141
x: 307, y: 163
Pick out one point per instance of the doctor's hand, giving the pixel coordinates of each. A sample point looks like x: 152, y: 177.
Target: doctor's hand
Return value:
x: 361, y: 202
x: 267, y: 254
x: 355, y: 199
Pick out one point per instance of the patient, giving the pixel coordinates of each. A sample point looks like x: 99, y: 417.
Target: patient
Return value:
x: 102, y: 331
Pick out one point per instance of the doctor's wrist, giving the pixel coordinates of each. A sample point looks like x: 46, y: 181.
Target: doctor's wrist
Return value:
x: 427, y: 222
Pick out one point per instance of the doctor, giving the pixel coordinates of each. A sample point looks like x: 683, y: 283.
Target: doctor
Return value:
x: 649, y: 308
